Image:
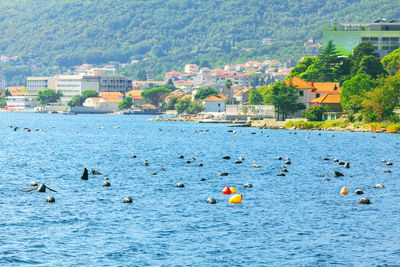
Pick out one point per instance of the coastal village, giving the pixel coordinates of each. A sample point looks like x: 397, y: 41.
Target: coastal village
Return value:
x: 230, y: 87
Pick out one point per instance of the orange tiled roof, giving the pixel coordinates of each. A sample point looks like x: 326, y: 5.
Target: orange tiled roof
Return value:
x: 213, y: 98
x: 111, y: 94
x: 326, y: 87
x: 17, y: 90
x: 327, y: 99
x: 222, y: 97
x: 135, y: 94
x: 299, y: 83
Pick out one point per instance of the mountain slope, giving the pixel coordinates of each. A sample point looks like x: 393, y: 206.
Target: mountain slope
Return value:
x: 173, y: 32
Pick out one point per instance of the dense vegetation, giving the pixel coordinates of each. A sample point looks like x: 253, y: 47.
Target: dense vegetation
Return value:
x: 51, y: 36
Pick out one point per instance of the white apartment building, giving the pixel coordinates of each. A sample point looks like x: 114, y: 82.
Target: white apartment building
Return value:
x: 34, y: 84
x: 71, y: 85
x: 21, y: 103
x: 191, y: 69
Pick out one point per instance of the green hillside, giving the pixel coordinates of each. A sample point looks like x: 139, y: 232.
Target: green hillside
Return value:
x: 55, y: 35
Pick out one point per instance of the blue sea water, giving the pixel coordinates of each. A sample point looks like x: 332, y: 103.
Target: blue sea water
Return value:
x: 296, y: 220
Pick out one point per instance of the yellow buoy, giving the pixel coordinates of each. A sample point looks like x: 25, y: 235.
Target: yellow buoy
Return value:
x: 344, y: 191
x: 234, y: 136
x: 236, y: 199
x: 233, y: 190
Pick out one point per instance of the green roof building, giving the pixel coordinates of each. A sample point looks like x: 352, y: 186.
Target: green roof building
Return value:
x: 384, y: 35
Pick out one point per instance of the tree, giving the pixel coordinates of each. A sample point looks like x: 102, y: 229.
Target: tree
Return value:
x: 391, y: 62
x: 126, y: 103
x: 380, y: 103
x: 195, y: 107
x: 171, y: 104
x: 79, y: 99
x: 182, y: 105
x: 141, y: 75
x: 170, y: 85
x: 204, y: 93
x: 360, y: 51
x: 228, y: 83
x: 255, y: 97
x: 301, y: 67
x: 155, y: 95
x: 372, y: 66
x: 329, y: 60
x: 284, y: 98
x: 315, y: 112
x: 90, y: 93
x: 48, y: 96
x: 353, y: 91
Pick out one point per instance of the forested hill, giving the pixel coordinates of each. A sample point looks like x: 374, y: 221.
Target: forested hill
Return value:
x: 48, y: 33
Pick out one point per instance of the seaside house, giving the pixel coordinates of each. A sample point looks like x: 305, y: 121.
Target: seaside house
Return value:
x: 215, y: 104
x: 137, y: 98
x: 21, y: 103
x: 332, y: 101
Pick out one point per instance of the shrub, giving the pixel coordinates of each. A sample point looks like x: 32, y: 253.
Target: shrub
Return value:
x: 351, y: 117
x: 314, y: 113
x: 394, y: 118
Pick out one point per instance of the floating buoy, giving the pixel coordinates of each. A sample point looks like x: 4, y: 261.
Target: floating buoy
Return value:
x: 234, y: 136
x: 211, y: 200
x: 238, y: 162
x: 233, y: 190
x: 347, y: 165
x: 226, y: 157
x: 181, y: 185
x: 359, y: 192
x: 364, y: 200
x: 33, y: 183
x: 226, y: 191
x: 236, y: 199
x: 223, y: 174
x: 337, y: 174
x: 127, y: 200
x: 379, y: 186
x: 106, y: 184
x: 248, y: 185
x: 202, y: 179
x: 50, y: 200
x: 344, y: 191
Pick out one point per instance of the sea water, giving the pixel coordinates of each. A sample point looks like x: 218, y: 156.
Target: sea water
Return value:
x: 295, y: 220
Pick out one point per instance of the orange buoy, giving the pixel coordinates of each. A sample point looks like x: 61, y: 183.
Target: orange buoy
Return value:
x: 233, y: 190
x: 226, y: 191
x: 236, y: 199
x: 344, y: 191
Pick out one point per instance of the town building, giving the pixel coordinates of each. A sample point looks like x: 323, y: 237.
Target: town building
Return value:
x: 191, y: 69
x: 21, y: 103
x: 71, y: 85
x: 214, y: 104
x: 35, y: 84
x: 308, y: 91
x: 384, y: 35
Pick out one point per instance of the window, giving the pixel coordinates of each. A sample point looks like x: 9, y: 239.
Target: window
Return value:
x: 317, y: 95
x: 301, y: 93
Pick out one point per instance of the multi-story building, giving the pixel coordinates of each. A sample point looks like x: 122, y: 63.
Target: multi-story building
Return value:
x: 191, y: 69
x: 71, y: 85
x: 384, y: 35
x: 35, y: 84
